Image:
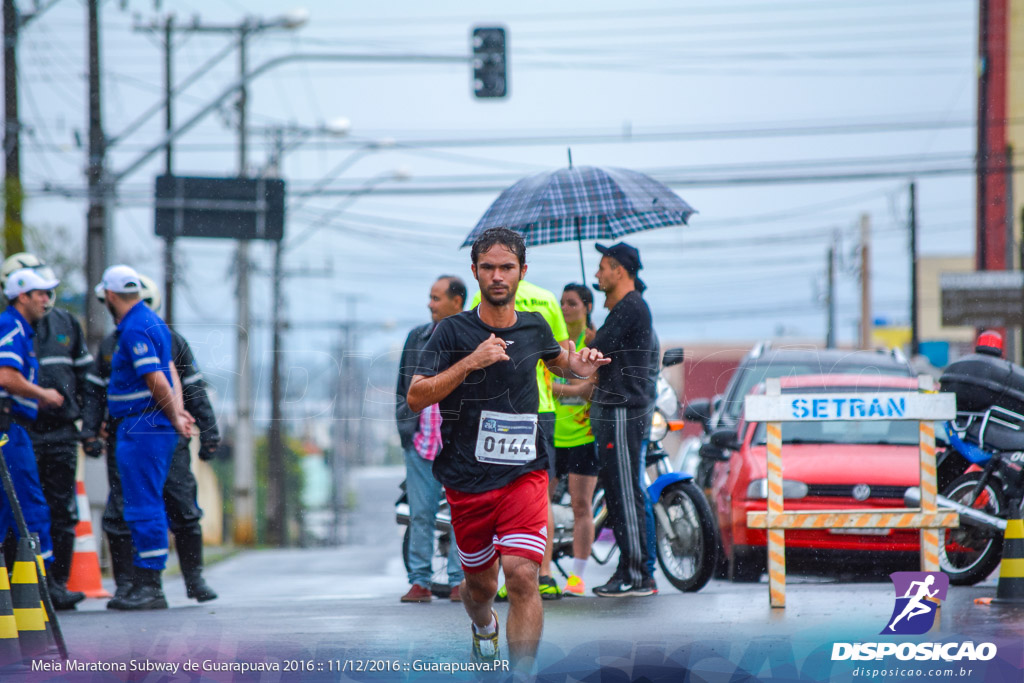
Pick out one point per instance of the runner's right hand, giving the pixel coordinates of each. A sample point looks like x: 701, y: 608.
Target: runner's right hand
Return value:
x: 490, y: 351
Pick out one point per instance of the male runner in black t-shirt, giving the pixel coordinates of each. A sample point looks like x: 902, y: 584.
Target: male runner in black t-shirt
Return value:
x: 480, y: 367
x: 620, y: 414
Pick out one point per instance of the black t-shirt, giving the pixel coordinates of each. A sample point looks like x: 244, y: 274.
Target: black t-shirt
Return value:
x: 625, y: 337
x: 508, y: 387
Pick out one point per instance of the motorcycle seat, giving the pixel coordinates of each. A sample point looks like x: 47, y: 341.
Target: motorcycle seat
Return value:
x: 996, y: 437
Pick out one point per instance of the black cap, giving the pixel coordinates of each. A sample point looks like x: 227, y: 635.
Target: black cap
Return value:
x: 628, y: 257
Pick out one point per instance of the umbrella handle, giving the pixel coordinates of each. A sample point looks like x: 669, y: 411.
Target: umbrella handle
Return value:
x: 579, y: 243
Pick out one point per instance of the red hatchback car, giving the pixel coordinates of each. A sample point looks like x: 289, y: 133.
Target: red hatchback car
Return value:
x: 827, y: 466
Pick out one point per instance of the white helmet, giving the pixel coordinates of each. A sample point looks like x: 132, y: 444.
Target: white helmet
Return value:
x: 26, y: 260
x: 149, y: 293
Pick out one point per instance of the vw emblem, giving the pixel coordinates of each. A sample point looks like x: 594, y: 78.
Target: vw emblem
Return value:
x: 861, y: 491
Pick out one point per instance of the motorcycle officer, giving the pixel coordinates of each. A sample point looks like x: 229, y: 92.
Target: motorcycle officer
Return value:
x: 63, y: 359
x: 180, y: 490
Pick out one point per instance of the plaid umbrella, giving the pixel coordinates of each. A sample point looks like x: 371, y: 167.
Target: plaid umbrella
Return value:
x: 583, y: 203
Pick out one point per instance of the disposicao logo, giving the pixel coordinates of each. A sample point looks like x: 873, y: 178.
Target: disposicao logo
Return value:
x: 917, y: 600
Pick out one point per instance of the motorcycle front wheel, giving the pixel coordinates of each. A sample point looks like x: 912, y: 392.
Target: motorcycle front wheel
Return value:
x: 687, y: 556
x: 439, y: 562
x: 968, y: 554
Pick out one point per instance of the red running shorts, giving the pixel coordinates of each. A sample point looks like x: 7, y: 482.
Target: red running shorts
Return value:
x: 511, y: 520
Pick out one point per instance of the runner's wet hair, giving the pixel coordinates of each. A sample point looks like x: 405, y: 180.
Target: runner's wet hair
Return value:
x: 456, y: 287
x: 503, y: 236
x: 585, y: 296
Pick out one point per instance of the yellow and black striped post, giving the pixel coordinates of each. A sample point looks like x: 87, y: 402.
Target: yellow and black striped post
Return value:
x: 1011, y: 569
x: 10, y: 650
x: 29, y: 614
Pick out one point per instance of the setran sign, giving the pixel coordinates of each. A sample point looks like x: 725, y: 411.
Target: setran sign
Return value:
x: 226, y: 208
x: 989, y: 298
x: 902, y: 405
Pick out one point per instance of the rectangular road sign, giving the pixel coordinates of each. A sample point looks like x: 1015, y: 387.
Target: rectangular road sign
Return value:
x: 896, y: 405
x: 990, y: 298
x: 226, y: 208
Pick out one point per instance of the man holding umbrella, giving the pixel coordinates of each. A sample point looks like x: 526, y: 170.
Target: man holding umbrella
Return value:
x: 620, y: 413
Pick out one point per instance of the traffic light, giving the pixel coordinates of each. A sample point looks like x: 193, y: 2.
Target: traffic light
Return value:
x: 489, y: 74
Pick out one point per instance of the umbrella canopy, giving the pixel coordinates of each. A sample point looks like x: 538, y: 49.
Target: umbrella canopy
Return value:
x: 583, y: 203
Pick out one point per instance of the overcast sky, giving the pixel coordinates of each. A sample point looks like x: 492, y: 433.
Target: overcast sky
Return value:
x: 721, y: 98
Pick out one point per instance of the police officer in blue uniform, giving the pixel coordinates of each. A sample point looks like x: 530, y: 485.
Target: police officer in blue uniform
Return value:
x: 63, y: 361
x: 181, y: 489
x: 144, y: 394
x: 20, y: 397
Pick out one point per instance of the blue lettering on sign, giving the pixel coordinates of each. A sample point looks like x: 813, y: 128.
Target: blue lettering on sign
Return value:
x: 820, y: 407
x: 897, y: 408
x: 847, y: 408
x: 800, y: 408
x: 857, y: 407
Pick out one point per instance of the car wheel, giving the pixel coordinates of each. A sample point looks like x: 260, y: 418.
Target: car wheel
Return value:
x: 746, y: 564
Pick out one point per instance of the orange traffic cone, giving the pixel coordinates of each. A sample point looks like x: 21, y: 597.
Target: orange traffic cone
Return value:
x: 85, y: 563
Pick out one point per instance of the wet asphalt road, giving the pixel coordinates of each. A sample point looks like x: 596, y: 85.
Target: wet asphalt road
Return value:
x: 328, y: 607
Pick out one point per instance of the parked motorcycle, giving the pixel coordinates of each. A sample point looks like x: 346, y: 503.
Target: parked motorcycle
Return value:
x: 687, y: 534
x: 981, y: 465
x: 442, y: 542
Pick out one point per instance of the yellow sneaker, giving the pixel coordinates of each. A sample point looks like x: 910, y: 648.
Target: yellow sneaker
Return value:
x: 574, y: 586
x: 485, y: 648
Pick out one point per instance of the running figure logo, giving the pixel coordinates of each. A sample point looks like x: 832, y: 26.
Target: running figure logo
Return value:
x: 917, y: 598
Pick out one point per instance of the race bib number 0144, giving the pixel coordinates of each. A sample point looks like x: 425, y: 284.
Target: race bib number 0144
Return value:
x: 506, y: 438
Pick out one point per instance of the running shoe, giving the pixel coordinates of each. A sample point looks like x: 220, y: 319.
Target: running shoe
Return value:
x: 549, y: 589
x: 574, y: 587
x: 502, y: 595
x: 650, y: 583
x: 485, y: 648
x: 622, y: 589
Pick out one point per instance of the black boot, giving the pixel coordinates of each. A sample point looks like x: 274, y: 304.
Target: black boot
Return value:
x: 147, y: 593
x: 121, y: 552
x: 59, y: 570
x: 190, y: 557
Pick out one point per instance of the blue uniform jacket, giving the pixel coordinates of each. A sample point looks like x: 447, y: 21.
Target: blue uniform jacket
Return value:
x: 16, y: 351
x: 143, y: 346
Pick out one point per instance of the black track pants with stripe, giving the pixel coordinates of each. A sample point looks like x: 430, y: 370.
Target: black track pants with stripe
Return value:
x: 618, y: 433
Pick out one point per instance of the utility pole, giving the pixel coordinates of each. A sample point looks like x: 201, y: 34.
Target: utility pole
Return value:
x: 245, y: 469
x: 167, y: 30
x: 277, y: 474
x: 169, y: 165
x: 866, y: 321
x: 912, y: 227
x: 13, y: 194
x: 96, y: 252
x: 830, y: 298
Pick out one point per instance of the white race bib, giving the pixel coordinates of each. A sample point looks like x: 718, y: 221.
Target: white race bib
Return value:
x: 506, y: 439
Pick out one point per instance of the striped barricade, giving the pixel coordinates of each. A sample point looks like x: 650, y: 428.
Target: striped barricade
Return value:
x: 773, y: 409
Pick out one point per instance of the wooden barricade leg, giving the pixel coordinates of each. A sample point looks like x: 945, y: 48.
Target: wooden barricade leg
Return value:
x: 776, y: 537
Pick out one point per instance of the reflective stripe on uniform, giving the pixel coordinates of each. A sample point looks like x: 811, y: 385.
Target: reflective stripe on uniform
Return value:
x: 146, y: 361
x: 55, y: 360
x: 13, y: 356
x: 192, y: 379
x: 129, y: 397
x: 154, y: 553
x: 96, y: 379
x: 84, y: 360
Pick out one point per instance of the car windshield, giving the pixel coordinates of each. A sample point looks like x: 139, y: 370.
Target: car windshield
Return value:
x: 756, y: 374
x: 888, y: 432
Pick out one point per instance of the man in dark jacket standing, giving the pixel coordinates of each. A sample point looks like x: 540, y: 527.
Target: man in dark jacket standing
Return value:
x: 420, y: 434
x: 180, y: 489
x: 63, y: 360
x: 620, y: 413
